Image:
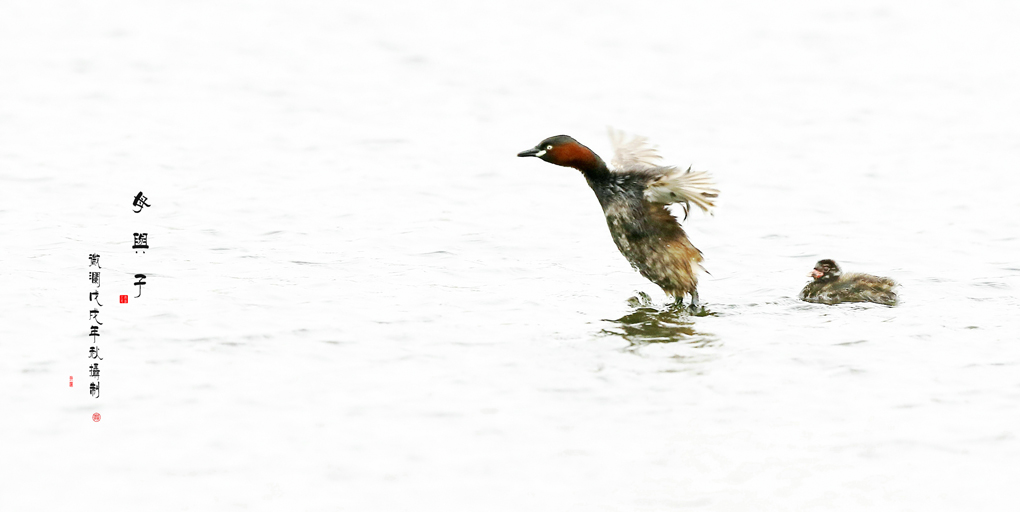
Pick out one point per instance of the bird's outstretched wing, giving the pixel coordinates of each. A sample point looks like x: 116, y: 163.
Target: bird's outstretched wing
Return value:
x: 684, y: 187
x: 632, y: 153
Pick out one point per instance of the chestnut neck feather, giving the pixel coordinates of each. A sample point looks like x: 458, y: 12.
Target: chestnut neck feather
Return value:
x: 581, y: 158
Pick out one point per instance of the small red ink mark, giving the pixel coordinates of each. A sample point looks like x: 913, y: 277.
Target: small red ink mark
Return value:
x: 123, y: 299
x: 71, y: 382
x: 96, y: 417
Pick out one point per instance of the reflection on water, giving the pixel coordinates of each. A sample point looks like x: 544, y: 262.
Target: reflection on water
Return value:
x: 648, y: 323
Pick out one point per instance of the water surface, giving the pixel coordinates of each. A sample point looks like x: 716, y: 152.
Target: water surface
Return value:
x: 359, y: 299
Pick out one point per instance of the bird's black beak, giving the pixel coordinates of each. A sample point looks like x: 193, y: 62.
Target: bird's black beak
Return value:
x: 529, y: 152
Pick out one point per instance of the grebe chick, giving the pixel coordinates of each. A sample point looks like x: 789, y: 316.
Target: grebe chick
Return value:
x: 634, y: 195
x: 831, y: 286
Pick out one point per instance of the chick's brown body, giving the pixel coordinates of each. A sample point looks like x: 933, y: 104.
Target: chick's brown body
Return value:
x: 831, y: 286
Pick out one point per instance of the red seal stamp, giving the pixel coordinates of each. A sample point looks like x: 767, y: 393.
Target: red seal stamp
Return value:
x: 96, y: 417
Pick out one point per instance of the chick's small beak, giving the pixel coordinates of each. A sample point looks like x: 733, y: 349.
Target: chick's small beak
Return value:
x: 529, y: 152
x: 815, y: 273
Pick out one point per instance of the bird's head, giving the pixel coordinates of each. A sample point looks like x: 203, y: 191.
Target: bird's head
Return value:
x: 825, y: 270
x: 564, y: 150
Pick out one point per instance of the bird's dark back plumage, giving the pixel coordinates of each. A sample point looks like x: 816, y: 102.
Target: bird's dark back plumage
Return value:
x: 647, y: 234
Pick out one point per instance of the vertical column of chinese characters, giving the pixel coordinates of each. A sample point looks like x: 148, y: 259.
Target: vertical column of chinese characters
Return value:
x: 94, y: 306
x: 141, y: 239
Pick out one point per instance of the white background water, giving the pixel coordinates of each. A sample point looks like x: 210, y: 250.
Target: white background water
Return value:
x: 358, y: 298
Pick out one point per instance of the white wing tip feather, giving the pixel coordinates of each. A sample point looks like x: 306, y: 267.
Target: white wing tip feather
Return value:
x: 634, y: 152
x: 676, y: 186
x: 684, y: 187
